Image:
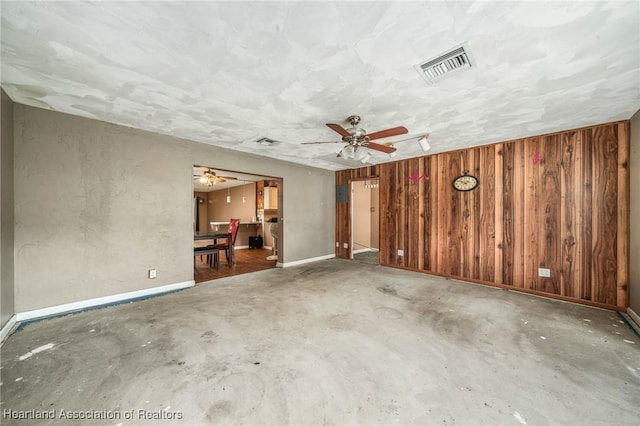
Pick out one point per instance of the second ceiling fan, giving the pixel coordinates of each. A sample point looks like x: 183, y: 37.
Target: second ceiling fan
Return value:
x: 209, y: 177
x: 356, y: 138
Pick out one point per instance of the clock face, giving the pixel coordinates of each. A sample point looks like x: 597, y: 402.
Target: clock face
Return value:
x: 465, y: 183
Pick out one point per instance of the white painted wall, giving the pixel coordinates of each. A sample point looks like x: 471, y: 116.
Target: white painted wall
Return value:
x: 361, y: 223
x: 97, y: 205
x: 634, y: 237
x: 6, y: 210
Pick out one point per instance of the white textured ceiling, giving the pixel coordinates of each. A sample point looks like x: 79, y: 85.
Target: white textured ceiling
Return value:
x: 230, y: 73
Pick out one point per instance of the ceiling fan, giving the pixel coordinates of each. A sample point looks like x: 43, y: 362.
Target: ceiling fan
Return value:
x: 210, y: 178
x: 356, y: 138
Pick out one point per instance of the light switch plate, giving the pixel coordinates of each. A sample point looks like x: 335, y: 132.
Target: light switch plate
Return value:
x: 400, y: 252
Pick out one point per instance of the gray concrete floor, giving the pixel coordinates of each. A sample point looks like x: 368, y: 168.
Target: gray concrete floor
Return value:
x: 333, y: 342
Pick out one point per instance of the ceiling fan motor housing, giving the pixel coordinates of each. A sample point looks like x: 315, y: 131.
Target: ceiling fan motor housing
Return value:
x: 358, y: 134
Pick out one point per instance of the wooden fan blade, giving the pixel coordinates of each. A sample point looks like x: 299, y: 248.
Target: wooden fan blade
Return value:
x: 311, y: 143
x: 339, y: 129
x: 378, y: 147
x: 388, y: 133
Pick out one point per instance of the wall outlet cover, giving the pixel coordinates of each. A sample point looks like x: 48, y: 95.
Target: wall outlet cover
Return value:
x: 544, y: 272
x: 400, y: 252
x: 152, y: 274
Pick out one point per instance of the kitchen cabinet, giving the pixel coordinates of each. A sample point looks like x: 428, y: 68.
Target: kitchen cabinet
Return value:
x: 270, y: 198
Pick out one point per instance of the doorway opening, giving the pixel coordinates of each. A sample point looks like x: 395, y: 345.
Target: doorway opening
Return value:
x: 220, y: 195
x: 365, y: 221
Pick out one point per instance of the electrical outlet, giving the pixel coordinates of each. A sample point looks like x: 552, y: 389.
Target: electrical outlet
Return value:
x: 400, y: 252
x: 337, y: 244
x: 345, y: 245
x: 544, y: 272
x: 152, y: 274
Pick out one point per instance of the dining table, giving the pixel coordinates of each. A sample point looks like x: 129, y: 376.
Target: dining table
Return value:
x: 214, y: 236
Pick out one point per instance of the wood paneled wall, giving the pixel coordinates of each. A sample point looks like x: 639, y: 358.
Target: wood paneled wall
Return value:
x: 557, y: 201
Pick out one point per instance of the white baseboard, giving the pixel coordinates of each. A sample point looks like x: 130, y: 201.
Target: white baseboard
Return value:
x: 360, y: 250
x: 365, y: 250
x: 7, y: 328
x: 634, y: 316
x: 99, y: 301
x: 303, y: 261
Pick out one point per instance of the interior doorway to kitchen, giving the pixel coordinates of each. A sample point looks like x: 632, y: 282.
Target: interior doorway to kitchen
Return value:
x: 220, y: 195
x: 365, y: 221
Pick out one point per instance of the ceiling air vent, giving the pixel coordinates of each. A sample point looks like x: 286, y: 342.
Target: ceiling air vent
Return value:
x: 455, y: 59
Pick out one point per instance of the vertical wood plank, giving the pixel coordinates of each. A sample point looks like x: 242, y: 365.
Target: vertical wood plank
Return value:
x: 454, y: 252
x: 586, y: 243
x: 485, y: 214
x: 402, y: 213
x: 433, y: 224
x: 508, y: 213
x: 464, y: 227
x: 623, y: 208
x: 549, y: 197
x: 413, y: 220
x: 427, y: 216
x: 443, y: 215
x: 531, y: 215
x: 499, y: 214
x: 385, y: 211
x: 520, y: 208
x: 470, y: 219
x: 571, y: 214
x: 605, y: 184
x: 398, y: 216
x: 422, y: 183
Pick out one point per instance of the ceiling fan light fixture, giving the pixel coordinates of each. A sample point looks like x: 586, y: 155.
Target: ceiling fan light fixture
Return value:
x: 424, y: 143
x: 348, y: 152
x: 365, y: 158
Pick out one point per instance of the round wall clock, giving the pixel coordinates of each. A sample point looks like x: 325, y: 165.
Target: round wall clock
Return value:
x: 465, y: 182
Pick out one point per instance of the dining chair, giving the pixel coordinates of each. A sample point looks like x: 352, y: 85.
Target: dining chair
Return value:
x: 227, y: 246
x: 213, y: 255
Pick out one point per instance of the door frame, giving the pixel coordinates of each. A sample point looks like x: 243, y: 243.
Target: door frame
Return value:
x: 352, y: 204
